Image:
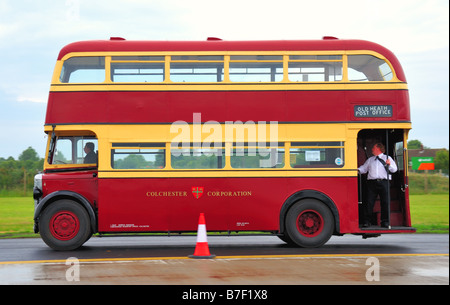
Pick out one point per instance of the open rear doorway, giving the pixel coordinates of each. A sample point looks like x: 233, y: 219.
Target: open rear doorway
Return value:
x: 394, y: 141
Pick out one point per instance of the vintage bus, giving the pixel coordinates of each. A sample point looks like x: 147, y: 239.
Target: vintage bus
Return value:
x: 265, y: 136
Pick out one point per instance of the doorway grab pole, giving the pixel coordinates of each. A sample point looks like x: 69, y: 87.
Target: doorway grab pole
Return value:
x: 388, y: 182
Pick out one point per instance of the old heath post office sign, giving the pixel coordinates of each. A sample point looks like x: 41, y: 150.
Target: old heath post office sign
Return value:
x: 372, y: 111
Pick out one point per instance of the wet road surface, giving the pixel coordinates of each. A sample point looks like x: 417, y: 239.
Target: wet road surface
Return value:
x: 243, y: 260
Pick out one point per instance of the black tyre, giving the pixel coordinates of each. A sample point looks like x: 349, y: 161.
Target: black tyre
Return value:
x: 65, y: 225
x: 287, y: 240
x: 309, y: 223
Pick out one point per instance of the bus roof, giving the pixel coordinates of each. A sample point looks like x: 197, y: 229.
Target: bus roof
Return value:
x: 117, y: 44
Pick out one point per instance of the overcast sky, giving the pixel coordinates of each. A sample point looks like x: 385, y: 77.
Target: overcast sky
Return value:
x: 32, y: 33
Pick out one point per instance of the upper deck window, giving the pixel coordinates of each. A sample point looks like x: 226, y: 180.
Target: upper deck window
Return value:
x: 89, y: 69
x: 256, y: 68
x: 368, y: 68
x: 197, y: 69
x: 226, y: 68
x: 137, y: 69
x: 315, y: 68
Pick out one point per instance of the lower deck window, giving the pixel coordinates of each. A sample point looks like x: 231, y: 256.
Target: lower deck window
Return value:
x: 316, y: 154
x: 140, y: 156
x: 197, y: 158
x: 257, y: 157
x: 241, y: 156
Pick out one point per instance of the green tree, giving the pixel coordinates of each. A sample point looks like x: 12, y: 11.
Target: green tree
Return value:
x: 29, y: 154
x: 16, y: 176
x: 414, y: 144
x: 441, y: 161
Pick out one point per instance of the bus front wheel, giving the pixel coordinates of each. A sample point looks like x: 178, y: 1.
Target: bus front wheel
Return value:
x: 64, y: 225
x: 309, y: 223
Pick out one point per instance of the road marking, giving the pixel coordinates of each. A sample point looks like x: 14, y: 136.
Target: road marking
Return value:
x: 133, y: 259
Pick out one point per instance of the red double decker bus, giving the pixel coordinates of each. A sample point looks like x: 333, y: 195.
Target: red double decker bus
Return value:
x: 257, y: 135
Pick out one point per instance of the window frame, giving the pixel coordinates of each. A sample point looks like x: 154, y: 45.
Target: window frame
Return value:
x: 282, y: 58
x: 195, y: 148
x: 157, y: 61
x: 321, y: 147
x: 140, y: 148
x: 64, y: 76
x: 229, y: 154
x: 325, y: 62
x: 256, y: 62
x: 76, y: 151
x: 238, y: 154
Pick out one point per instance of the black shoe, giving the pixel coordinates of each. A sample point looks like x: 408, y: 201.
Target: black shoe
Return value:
x: 385, y: 225
x: 366, y: 224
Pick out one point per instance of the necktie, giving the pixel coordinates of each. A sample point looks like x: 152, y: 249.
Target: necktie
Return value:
x: 385, y: 165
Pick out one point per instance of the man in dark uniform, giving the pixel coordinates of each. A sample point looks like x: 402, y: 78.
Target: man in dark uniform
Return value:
x: 91, y: 156
x: 376, y: 168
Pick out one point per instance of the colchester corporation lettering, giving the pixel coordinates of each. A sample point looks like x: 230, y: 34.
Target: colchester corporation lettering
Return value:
x: 208, y: 193
x: 229, y: 193
x: 167, y: 194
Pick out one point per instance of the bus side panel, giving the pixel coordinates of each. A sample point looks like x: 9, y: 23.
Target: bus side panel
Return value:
x: 261, y: 210
x: 220, y: 106
x: 80, y: 182
x: 235, y: 204
x: 124, y: 207
x: 342, y: 191
x: 158, y: 205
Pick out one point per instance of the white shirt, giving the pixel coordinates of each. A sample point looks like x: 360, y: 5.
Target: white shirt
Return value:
x: 376, y: 169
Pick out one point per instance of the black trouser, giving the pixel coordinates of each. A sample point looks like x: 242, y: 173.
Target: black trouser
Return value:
x: 375, y: 188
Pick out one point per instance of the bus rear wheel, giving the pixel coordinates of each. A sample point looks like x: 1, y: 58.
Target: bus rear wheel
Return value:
x: 64, y: 225
x: 309, y: 223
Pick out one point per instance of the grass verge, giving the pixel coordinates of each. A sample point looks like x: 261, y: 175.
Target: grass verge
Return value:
x: 429, y: 213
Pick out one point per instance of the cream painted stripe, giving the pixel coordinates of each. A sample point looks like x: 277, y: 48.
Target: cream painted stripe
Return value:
x: 132, y: 259
x: 227, y: 87
x: 227, y: 174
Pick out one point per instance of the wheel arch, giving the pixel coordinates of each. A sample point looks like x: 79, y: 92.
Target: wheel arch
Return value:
x: 309, y: 194
x: 58, y: 195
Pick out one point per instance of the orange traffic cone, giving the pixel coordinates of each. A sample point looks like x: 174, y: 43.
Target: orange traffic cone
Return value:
x: 202, y: 249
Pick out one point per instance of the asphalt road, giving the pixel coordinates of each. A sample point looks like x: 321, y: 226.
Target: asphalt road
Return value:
x: 261, y: 260
x: 32, y: 249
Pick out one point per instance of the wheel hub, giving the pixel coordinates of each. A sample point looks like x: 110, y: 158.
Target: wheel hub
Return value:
x: 64, y: 225
x: 310, y: 223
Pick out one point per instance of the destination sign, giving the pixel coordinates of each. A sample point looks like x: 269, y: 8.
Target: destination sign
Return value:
x: 373, y: 111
